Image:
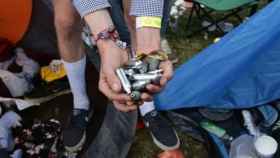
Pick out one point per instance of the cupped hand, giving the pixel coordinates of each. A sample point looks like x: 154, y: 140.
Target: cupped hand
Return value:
x: 113, y: 57
x: 148, y: 41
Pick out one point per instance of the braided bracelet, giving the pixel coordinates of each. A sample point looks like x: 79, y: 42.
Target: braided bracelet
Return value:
x: 110, y: 34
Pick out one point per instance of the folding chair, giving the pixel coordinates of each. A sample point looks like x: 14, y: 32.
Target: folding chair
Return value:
x: 204, y: 8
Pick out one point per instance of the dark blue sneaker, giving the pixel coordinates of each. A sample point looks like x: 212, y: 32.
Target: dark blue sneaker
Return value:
x: 74, y: 136
x: 164, y: 136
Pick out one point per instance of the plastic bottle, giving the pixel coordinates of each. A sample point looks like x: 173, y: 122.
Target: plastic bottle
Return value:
x: 242, y: 147
x: 265, y: 146
x: 214, y: 129
x: 249, y: 123
x: 255, y: 145
x: 248, y: 146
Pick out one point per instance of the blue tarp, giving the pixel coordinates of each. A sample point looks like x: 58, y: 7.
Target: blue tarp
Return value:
x: 242, y: 70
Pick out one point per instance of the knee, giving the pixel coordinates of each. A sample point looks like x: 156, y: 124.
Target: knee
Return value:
x: 65, y: 25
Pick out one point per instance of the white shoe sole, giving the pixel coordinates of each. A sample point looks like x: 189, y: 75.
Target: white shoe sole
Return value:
x: 78, y: 147
x: 164, y: 147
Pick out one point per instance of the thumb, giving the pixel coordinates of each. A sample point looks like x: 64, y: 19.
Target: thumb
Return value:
x: 113, y: 80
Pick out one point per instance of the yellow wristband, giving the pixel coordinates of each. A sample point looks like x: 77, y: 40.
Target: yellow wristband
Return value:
x: 148, y: 21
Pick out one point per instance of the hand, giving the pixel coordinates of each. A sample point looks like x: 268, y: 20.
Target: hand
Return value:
x: 167, y: 68
x: 112, y: 57
x: 148, y: 40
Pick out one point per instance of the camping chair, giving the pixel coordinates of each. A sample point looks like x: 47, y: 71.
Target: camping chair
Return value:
x: 204, y: 8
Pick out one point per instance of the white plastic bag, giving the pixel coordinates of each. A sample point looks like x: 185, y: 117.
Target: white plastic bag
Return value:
x: 19, y: 83
x: 8, y: 121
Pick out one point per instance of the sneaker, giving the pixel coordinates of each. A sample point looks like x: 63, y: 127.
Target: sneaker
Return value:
x: 164, y: 136
x: 275, y: 133
x: 216, y: 114
x: 74, y: 136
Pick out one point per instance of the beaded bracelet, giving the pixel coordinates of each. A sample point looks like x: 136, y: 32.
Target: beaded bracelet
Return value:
x: 110, y: 34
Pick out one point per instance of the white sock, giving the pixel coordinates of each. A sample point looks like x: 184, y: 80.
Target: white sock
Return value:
x: 76, y: 76
x: 146, y: 108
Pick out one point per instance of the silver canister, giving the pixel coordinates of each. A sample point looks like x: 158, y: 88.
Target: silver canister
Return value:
x: 140, y: 85
x: 153, y: 63
x: 135, y: 95
x: 152, y: 77
x: 124, y: 80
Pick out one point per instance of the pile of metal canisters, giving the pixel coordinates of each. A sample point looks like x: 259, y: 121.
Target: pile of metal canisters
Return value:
x: 138, y: 74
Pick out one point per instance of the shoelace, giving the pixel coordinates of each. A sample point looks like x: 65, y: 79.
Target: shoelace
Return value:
x: 153, y: 119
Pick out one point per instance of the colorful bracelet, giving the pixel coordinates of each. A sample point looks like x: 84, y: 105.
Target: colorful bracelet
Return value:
x: 110, y: 34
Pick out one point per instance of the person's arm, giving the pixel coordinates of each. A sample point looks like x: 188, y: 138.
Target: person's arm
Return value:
x: 148, y: 38
x: 95, y: 13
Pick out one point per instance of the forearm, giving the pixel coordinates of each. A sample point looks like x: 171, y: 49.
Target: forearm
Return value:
x: 147, y: 8
x: 147, y: 38
x: 95, y: 13
x: 98, y: 18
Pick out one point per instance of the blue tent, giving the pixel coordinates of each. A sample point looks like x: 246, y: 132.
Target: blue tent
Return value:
x: 242, y: 70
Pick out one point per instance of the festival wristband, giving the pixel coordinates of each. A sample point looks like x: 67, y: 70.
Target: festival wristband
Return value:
x: 148, y: 21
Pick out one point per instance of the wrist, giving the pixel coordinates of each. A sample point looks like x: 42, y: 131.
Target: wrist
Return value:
x: 109, y: 48
x: 104, y: 46
x: 99, y: 21
x: 109, y: 38
x: 148, y: 40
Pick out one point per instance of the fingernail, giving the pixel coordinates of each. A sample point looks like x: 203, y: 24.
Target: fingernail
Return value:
x: 115, y: 87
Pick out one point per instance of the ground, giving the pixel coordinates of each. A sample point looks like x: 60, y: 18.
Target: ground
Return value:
x: 184, y: 48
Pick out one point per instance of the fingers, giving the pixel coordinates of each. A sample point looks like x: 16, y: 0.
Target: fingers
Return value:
x: 167, y: 68
x: 107, y: 91
x: 153, y: 88
x: 112, y: 79
x: 146, y: 97
x: 124, y: 107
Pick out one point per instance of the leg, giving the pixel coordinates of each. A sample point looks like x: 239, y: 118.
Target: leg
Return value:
x: 68, y: 28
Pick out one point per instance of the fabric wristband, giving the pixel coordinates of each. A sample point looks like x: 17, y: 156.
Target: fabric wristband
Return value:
x: 148, y: 21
